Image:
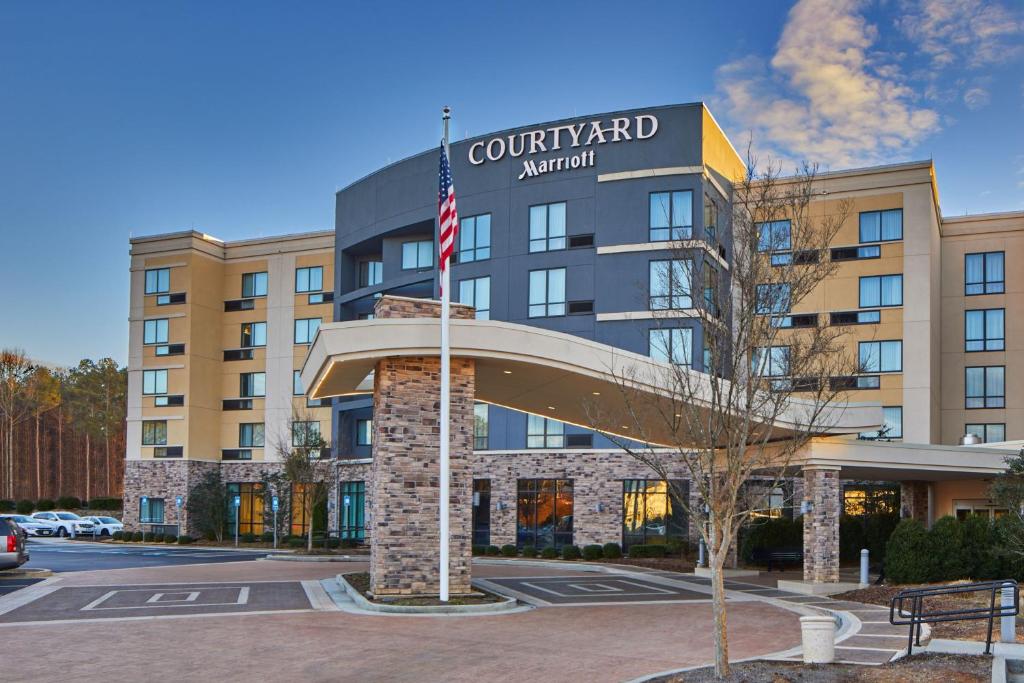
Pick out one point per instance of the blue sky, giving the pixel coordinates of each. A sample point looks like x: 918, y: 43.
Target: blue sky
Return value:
x: 243, y: 119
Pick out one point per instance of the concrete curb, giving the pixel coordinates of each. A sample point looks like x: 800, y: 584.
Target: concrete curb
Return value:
x: 318, y: 558
x: 364, y: 604
x: 29, y: 573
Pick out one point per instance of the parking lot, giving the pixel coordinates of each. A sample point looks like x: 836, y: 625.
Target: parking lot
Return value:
x: 593, y: 590
x: 63, y: 555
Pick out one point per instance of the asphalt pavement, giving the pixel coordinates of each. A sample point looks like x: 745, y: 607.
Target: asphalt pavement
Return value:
x: 63, y: 555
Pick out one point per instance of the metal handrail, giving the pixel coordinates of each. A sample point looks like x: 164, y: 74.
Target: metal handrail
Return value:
x: 908, y: 607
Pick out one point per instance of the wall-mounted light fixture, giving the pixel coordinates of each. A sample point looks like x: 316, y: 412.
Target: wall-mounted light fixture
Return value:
x: 599, y: 507
x: 500, y: 506
x: 806, y: 507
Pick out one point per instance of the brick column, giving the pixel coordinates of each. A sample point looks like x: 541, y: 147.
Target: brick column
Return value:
x: 914, y: 500
x: 404, y: 548
x: 821, y: 525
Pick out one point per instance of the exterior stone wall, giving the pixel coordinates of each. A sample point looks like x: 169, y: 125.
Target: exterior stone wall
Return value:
x: 406, y: 307
x: 823, y: 490
x: 914, y: 500
x: 165, y: 479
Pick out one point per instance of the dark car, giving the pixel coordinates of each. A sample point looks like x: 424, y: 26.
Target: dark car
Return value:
x: 13, y: 552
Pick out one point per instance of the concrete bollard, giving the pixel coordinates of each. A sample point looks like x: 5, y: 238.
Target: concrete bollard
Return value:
x: 819, y: 639
x: 1007, y: 624
x: 864, y: 562
x: 701, y: 557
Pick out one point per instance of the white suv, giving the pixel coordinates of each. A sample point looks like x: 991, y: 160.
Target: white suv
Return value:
x: 67, y: 523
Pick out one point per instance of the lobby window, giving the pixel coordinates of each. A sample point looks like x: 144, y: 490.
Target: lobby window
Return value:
x: 352, y: 498
x: 984, y: 273
x: 254, y: 334
x: 770, y: 361
x: 475, y: 238
x: 892, y: 425
x: 252, y: 384
x: 669, y: 284
x: 416, y: 255
x: 250, y: 512
x: 649, y: 514
x: 306, y: 434
x: 710, y: 218
x: 984, y: 330
x: 158, y: 281
x: 155, y: 331
x: 371, y: 273
x: 868, y: 499
x: 544, y: 513
x: 881, y: 290
x: 309, y: 279
x: 481, y: 415
x: 254, y: 284
x: 774, y: 236
x: 481, y: 512
x: 477, y: 293
x: 364, y: 432
x: 881, y: 226
x: 547, y: 293
x: 151, y: 511
x: 988, y: 433
x: 154, y: 433
x: 985, y: 387
x: 881, y: 356
x: 300, y: 524
x: 671, y: 216
x: 543, y: 432
x: 154, y: 382
x: 305, y: 330
x: 773, y: 298
x: 547, y: 227
x: 768, y: 502
x: 250, y: 435
x: 673, y: 345
x: 297, y: 383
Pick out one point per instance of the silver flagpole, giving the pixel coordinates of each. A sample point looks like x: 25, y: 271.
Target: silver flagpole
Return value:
x: 445, y: 393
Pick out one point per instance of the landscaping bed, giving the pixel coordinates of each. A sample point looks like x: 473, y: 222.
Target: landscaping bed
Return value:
x: 923, y: 667
x: 669, y: 564
x: 361, y: 582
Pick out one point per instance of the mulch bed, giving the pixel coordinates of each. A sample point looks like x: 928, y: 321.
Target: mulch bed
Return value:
x: 923, y: 667
x: 671, y: 564
x: 361, y: 582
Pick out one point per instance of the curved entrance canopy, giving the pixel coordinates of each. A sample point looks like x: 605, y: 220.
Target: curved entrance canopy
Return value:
x: 538, y: 371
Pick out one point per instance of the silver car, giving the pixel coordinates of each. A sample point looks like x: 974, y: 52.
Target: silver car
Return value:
x: 13, y: 552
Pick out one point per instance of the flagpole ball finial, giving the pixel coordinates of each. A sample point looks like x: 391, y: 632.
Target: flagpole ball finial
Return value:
x: 447, y: 111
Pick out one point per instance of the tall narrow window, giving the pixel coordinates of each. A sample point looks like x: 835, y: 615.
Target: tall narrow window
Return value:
x: 542, y: 432
x: 253, y: 384
x: 481, y: 413
x: 353, y: 510
x: 250, y: 508
x: 669, y: 283
x: 673, y: 345
x: 417, y: 255
x: 254, y: 334
x: 477, y: 293
x: 254, y: 284
x: 154, y: 382
x: 475, y: 238
x: 309, y: 279
x: 547, y: 227
x: 881, y: 226
x: 371, y: 273
x: 155, y: 331
x: 481, y: 512
x: 306, y: 329
x: 671, y: 216
x: 710, y: 218
x: 985, y: 387
x: 881, y: 290
x: 154, y: 433
x: 151, y: 510
x: 158, y: 281
x: 297, y: 383
x: 650, y: 515
x: 547, y: 293
x: 984, y: 330
x: 364, y: 432
x: 984, y: 273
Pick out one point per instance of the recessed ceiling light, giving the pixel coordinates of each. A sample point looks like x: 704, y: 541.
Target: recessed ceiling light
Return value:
x: 596, y: 393
x: 507, y: 372
x: 625, y: 427
x: 551, y: 407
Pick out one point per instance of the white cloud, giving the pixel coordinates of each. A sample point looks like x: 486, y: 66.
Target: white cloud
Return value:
x: 976, y: 98
x: 825, y: 96
x: 973, y: 33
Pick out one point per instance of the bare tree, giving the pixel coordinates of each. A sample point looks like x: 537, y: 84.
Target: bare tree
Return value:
x: 307, y: 466
x: 15, y: 408
x: 770, y: 377
x: 44, y: 396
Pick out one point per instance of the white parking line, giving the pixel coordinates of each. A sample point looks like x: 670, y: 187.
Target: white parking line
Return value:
x: 242, y: 599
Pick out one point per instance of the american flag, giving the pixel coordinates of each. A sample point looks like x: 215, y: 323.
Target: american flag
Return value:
x: 447, y: 215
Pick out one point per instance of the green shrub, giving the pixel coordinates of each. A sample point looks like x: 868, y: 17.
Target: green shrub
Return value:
x: 25, y: 507
x: 549, y: 553
x: 676, y: 547
x: 493, y: 550
x: 780, y: 532
x: 479, y: 550
x: 267, y: 537
x: 509, y: 550
x: 117, y: 535
x: 611, y: 551
x: 571, y: 552
x: 592, y: 552
x: 646, y: 550
x: 1009, y: 534
x: 7, y: 506
x: 947, y: 550
x: 170, y: 538
x: 296, y: 542
x: 185, y: 539
x: 981, y: 548
x: 69, y: 503
x: 44, y: 504
x: 106, y: 504
x: 247, y: 537
x: 137, y: 536
x: 529, y: 551
x: 209, y: 535
x: 865, y: 531
x: 907, y: 556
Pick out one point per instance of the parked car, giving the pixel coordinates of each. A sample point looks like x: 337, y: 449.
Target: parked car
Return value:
x: 13, y: 552
x: 105, y: 526
x: 67, y: 523
x: 32, y: 526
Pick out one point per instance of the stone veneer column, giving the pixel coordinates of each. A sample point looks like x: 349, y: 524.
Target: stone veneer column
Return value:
x: 404, y: 549
x: 821, y: 525
x: 914, y: 500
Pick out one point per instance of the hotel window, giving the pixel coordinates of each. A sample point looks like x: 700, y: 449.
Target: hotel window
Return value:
x: 481, y: 512
x: 710, y: 218
x: 254, y: 284
x: 542, y: 432
x: 985, y: 387
x: 774, y: 236
x: 547, y: 293
x: 544, y: 512
x: 984, y: 273
x: 364, y: 432
x: 158, y: 281
x: 309, y: 279
x: 151, y: 511
x: 770, y: 361
x: 671, y: 216
x: 669, y: 283
x: 250, y: 435
x: 881, y: 356
x: 988, y: 433
x: 671, y: 345
x: 250, y: 510
x: 892, y: 424
x: 773, y: 298
x: 649, y: 513
x: 881, y: 290
x: 481, y: 413
x: 154, y: 382
x: 353, y: 510
x: 155, y: 331
x: 154, y: 433
x: 252, y: 384
x: 306, y: 434
x: 475, y: 238
x: 547, y: 227
x: 477, y: 293
x: 984, y: 330
x: 417, y: 255
x: 305, y: 330
x: 254, y: 334
x: 297, y: 383
x: 861, y: 499
x: 371, y: 273
x: 881, y: 226
x: 300, y: 524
